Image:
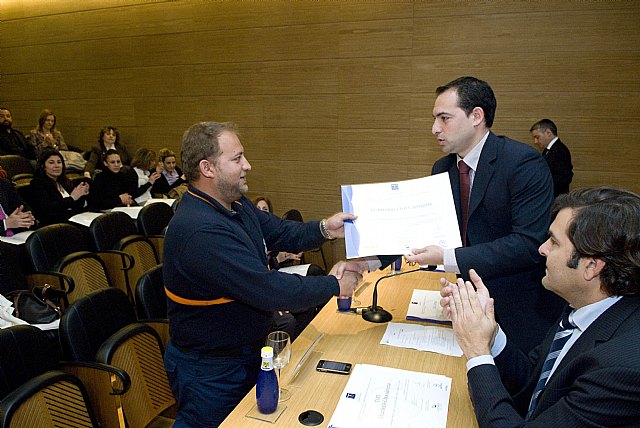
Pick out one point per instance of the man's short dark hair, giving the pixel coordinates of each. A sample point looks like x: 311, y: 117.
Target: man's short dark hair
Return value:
x: 473, y: 93
x: 606, y: 226
x: 200, y: 142
x: 545, y: 124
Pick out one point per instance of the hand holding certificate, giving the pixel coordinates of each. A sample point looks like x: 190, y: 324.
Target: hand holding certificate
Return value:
x: 395, y: 217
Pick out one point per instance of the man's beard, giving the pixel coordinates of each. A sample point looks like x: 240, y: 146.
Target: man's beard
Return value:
x: 231, y: 191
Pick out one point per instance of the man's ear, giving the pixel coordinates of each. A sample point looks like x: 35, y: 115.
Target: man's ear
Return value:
x: 477, y: 114
x: 207, y: 169
x: 593, y: 267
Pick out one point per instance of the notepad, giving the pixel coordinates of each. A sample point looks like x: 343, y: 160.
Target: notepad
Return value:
x: 425, y: 306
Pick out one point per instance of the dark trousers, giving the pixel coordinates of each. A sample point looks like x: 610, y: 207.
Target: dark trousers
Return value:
x: 207, y: 389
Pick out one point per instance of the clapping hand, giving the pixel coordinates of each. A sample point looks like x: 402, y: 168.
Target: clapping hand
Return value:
x: 19, y: 219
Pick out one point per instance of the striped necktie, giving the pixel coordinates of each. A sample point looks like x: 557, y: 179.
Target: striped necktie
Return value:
x: 563, y: 334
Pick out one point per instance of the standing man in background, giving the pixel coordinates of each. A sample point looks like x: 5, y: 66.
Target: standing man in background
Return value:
x: 221, y: 295
x: 557, y: 155
x: 502, y: 191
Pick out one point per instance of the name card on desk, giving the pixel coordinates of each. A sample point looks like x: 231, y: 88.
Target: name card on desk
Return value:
x: 385, y: 397
x: 425, y: 306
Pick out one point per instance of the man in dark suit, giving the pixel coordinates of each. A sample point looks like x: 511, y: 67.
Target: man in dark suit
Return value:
x: 14, y: 213
x: 587, y: 370
x: 14, y: 216
x: 12, y: 141
x: 507, y: 214
x: 557, y: 155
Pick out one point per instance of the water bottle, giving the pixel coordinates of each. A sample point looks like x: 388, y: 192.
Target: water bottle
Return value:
x: 267, y: 386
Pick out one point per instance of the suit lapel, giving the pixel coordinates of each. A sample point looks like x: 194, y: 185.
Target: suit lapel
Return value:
x: 601, y: 329
x: 483, y: 173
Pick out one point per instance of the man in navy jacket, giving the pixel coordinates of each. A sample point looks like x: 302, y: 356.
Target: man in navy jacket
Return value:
x: 221, y: 295
x: 593, y: 378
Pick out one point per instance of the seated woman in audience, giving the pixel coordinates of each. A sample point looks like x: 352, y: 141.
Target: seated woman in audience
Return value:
x: 111, y: 187
x: 263, y: 204
x: 109, y: 139
x: 143, y: 173
x: 171, y: 175
x: 46, y: 135
x: 54, y: 197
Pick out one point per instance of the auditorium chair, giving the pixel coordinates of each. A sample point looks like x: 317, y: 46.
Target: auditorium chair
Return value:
x: 15, y: 164
x: 151, y: 300
x: 152, y: 221
x: 38, y: 391
x: 62, y: 248
x: 295, y: 215
x: 102, y: 327
x: 117, y: 231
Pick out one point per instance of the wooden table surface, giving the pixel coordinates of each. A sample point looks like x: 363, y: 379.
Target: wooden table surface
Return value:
x: 349, y: 338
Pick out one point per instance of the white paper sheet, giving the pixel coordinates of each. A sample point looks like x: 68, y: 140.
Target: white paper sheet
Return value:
x: 163, y: 200
x: 425, y: 306
x: 385, y: 397
x: 17, y: 238
x: 131, y: 211
x: 422, y: 338
x: 395, y: 217
x: 84, y: 219
x: 297, y: 269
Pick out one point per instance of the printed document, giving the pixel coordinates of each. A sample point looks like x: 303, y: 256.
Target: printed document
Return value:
x: 385, y: 397
x: 395, y: 217
x: 422, y: 338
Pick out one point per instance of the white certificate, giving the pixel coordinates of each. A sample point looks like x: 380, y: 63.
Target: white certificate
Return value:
x: 385, y: 397
x: 397, y: 216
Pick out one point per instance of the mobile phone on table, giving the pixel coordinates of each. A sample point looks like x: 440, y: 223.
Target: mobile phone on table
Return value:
x: 334, y: 367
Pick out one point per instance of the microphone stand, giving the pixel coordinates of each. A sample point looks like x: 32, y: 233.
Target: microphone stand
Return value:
x: 377, y: 314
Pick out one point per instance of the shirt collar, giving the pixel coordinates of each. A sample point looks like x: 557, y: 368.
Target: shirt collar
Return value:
x: 473, y: 157
x: 236, y: 205
x: 583, y: 317
x: 551, y: 143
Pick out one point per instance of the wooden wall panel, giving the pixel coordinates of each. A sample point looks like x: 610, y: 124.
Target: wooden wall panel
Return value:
x: 325, y: 92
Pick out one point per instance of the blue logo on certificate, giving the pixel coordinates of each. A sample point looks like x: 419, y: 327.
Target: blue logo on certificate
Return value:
x: 394, y: 186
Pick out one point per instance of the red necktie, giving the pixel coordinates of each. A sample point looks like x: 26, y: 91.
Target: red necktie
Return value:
x: 465, y: 189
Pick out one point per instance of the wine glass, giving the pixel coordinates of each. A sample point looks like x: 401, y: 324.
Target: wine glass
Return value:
x: 281, y: 344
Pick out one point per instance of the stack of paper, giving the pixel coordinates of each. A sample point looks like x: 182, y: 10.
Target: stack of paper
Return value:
x: 384, y: 397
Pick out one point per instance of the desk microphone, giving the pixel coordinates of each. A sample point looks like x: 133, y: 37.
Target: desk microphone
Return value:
x: 377, y: 314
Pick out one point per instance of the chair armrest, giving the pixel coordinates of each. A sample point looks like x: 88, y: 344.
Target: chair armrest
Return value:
x: 56, y: 280
x: 105, y: 385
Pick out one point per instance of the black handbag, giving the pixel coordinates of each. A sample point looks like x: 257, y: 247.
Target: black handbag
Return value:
x: 40, y: 305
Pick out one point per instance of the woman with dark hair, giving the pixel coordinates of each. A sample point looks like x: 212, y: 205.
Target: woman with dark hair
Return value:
x: 171, y: 176
x: 143, y: 173
x: 111, y: 187
x: 263, y: 204
x: 108, y: 139
x: 46, y: 135
x: 54, y: 197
